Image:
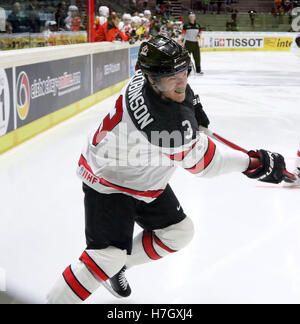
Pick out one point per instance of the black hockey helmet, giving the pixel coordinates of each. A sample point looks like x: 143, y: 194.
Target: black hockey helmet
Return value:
x: 162, y: 57
x: 297, y: 40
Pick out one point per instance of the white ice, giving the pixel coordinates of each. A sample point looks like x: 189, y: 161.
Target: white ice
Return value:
x: 247, y: 243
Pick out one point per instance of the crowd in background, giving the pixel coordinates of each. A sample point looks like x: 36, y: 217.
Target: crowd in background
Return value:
x: 136, y: 24
x: 111, y: 26
x: 282, y: 7
x: 26, y: 19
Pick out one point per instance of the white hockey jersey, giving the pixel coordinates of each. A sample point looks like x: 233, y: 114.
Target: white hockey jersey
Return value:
x: 138, y: 145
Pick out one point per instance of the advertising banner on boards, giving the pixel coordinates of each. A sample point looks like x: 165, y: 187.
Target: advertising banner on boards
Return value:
x: 133, y: 56
x: 110, y: 68
x: 49, y: 86
x: 6, y: 102
x: 261, y: 41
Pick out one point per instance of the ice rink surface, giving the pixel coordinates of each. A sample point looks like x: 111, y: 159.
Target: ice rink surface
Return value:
x: 247, y: 243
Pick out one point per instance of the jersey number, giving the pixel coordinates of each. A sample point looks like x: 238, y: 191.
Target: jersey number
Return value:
x: 109, y: 122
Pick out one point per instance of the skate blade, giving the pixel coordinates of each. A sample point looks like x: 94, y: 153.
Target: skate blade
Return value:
x: 108, y: 287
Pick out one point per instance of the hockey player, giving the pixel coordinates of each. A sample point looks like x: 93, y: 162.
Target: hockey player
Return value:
x: 109, y: 31
x: 147, y: 14
x: 103, y: 15
x: 127, y: 164
x: 100, y: 20
x: 190, y: 38
x: 125, y: 25
x: 167, y: 29
x: 73, y: 21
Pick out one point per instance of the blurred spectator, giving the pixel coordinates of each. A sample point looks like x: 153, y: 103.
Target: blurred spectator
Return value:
x: 228, y: 6
x: 167, y: 29
x: 177, y: 28
x: 252, y: 13
x: 73, y: 21
x: 145, y: 4
x: 157, y: 10
x: 109, y: 31
x: 168, y: 9
x: 51, y: 27
x: 155, y: 27
x: 231, y: 25
x: 125, y: 25
x: 143, y: 29
x: 219, y: 6
x: 17, y: 20
x: 234, y: 13
x: 277, y: 3
x: 61, y: 15
x: 2, y: 20
x: 212, y: 6
x: 103, y: 15
x: 206, y: 6
x: 132, y: 5
x: 147, y: 14
x: 33, y: 17
x: 100, y: 20
x: 164, y: 11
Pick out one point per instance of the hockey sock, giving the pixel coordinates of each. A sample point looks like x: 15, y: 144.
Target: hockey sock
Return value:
x: 153, y: 245
x: 82, y: 278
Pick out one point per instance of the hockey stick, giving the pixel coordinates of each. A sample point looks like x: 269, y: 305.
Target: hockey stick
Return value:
x: 289, y: 177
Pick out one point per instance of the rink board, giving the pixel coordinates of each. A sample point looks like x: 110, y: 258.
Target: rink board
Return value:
x: 34, y: 128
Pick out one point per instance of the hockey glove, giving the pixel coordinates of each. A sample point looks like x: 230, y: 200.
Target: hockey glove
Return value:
x: 200, y: 114
x: 271, y: 167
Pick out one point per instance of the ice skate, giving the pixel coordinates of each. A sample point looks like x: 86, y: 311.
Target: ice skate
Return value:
x: 118, y: 285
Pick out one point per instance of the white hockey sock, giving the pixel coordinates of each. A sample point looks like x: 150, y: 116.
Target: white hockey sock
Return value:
x: 82, y: 278
x: 150, y: 246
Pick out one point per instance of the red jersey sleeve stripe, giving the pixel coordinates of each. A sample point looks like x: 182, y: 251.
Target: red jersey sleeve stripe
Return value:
x: 149, y: 193
x: 181, y: 155
x: 206, y: 160
x: 93, y: 266
x: 162, y: 245
x: 148, y: 246
x: 75, y: 285
x: 298, y: 153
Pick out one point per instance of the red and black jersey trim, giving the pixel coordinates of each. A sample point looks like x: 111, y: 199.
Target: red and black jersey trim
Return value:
x: 148, y: 194
x: 206, y: 160
x: 147, y: 240
x: 93, y: 266
x: 75, y: 285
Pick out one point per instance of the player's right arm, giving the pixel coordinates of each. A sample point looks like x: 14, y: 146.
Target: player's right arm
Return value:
x: 204, y: 158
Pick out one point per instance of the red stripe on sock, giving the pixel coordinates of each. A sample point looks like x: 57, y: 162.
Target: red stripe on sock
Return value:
x: 148, y: 247
x: 93, y: 266
x: 162, y: 245
x: 75, y: 285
